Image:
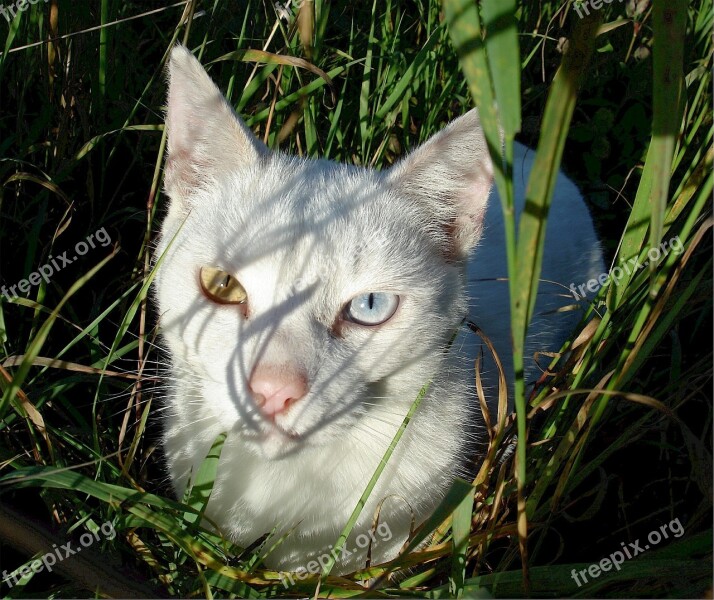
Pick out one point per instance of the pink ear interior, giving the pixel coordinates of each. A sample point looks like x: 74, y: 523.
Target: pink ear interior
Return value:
x: 471, y: 204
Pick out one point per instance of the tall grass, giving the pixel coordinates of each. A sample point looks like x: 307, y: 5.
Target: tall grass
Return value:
x: 613, y: 441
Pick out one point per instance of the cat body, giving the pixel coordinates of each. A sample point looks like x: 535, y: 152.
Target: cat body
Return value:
x: 339, y: 290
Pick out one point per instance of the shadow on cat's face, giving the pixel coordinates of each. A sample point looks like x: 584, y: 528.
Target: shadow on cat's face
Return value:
x: 304, y: 238
x: 331, y: 290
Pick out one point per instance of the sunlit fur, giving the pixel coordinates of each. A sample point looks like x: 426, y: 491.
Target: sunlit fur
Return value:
x: 303, y: 237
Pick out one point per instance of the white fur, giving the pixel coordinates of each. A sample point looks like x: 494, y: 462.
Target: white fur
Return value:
x: 303, y: 238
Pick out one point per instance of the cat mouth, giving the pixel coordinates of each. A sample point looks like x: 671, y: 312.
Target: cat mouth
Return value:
x: 273, y: 442
x: 289, y: 434
x: 270, y: 432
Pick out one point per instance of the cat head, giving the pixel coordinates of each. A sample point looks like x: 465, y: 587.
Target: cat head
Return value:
x: 300, y: 297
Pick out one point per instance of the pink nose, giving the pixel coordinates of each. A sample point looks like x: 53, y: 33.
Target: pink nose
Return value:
x: 275, y: 389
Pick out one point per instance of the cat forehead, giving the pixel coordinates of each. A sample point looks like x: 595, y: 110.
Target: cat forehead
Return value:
x: 288, y: 205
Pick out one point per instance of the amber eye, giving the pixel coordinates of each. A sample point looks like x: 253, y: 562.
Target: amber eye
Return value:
x: 221, y: 287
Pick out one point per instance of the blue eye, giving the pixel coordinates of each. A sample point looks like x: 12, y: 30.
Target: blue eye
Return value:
x: 373, y: 308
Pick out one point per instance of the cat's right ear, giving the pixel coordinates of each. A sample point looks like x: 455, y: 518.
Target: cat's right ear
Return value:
x: 205, y: 136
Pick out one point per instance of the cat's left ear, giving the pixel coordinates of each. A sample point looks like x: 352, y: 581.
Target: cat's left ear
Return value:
x: 451, y: 173
x: 205, y: 136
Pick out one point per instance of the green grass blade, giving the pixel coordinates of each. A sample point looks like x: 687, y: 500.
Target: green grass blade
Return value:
x: 635, y: 231
x: 200, y: 491
x: 373, y: 481
x: 461, y: 526
x: 408, y: 77
x: 546, y: 165
x: 69, y: 479
x: 503, y: 54
x: 364, y: 97
x: 464, y: 23
x: 670, y: 21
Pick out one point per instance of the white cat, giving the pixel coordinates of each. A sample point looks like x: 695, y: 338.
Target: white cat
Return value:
x: 305, y: 303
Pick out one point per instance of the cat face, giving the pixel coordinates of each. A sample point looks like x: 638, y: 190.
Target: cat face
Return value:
x: 298, y: 295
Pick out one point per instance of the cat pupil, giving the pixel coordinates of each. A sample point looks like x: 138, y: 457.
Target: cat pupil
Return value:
x: 371, y: 301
